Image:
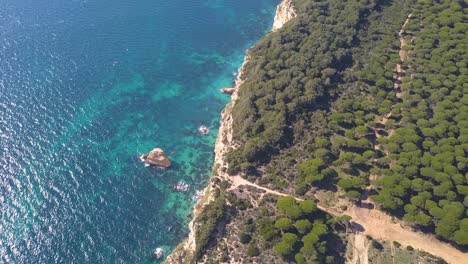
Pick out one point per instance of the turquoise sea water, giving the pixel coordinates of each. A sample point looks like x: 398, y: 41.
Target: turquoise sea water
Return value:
x: 85, y: 88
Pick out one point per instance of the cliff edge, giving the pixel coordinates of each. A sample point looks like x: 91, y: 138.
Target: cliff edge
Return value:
x: 184, y: 252
x: 284, y: 12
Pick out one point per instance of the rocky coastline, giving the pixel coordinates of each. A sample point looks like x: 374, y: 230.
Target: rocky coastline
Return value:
x: 224, y: 142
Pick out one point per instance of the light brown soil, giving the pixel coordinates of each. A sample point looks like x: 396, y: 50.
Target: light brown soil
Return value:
x: 379, y: 225
x: 238, y: 181
x: 360, y: 250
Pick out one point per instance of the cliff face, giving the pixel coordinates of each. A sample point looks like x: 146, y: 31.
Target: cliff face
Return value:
x: 223, y: 142
x: 185, y: 250
x: 284, y: 13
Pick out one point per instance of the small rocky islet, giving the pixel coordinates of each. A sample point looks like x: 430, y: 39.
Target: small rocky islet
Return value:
x: 156, y: 157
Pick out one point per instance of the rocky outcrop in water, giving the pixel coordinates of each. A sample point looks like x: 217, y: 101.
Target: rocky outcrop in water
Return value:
x: 156, y: 157
x: 227, y: 90
x: 158, y: 253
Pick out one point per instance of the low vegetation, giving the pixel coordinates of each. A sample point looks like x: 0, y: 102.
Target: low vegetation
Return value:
x: 301, y: 232
x: 206, y: 223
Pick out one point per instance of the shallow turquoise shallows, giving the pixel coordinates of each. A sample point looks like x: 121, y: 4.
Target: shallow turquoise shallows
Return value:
x: 86, y: 86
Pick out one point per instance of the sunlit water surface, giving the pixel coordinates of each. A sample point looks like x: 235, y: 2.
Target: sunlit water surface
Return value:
x: 87, y: 86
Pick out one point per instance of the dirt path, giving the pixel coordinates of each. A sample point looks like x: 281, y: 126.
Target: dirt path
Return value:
x: 360, y: 250
x: 238, y: 181
x: 399, y: 73
x: 378, y: 225
x: 403, y: 56
x: 392, y: 250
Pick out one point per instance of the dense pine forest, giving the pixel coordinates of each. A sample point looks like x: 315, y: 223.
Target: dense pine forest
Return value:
x: 324, y: 106
x: 367, y: 99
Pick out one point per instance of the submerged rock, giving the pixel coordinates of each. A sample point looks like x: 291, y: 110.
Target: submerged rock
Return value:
x: 181, y: 187
x: 198, y: 195
x: 158, y: 253
x: 156, y: 157
x: 204, y: 130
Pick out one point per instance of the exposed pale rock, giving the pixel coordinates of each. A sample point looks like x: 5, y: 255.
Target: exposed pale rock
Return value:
x: 284, y: 12
x: 204, y: 130
x: 158, y: 253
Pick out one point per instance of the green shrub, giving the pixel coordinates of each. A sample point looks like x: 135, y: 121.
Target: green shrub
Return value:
x: 244, y: 238
x: 283, y: 223
x: 252, y: 250
x: 282, y: 248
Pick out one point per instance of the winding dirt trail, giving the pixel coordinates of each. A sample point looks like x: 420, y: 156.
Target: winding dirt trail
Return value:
x: 378, y: 225
x: 238, y: 181
x: 403, y: 56
x: 399, y: 73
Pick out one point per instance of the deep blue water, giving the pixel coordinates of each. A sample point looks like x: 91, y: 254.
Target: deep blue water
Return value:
x: 87, y: 86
